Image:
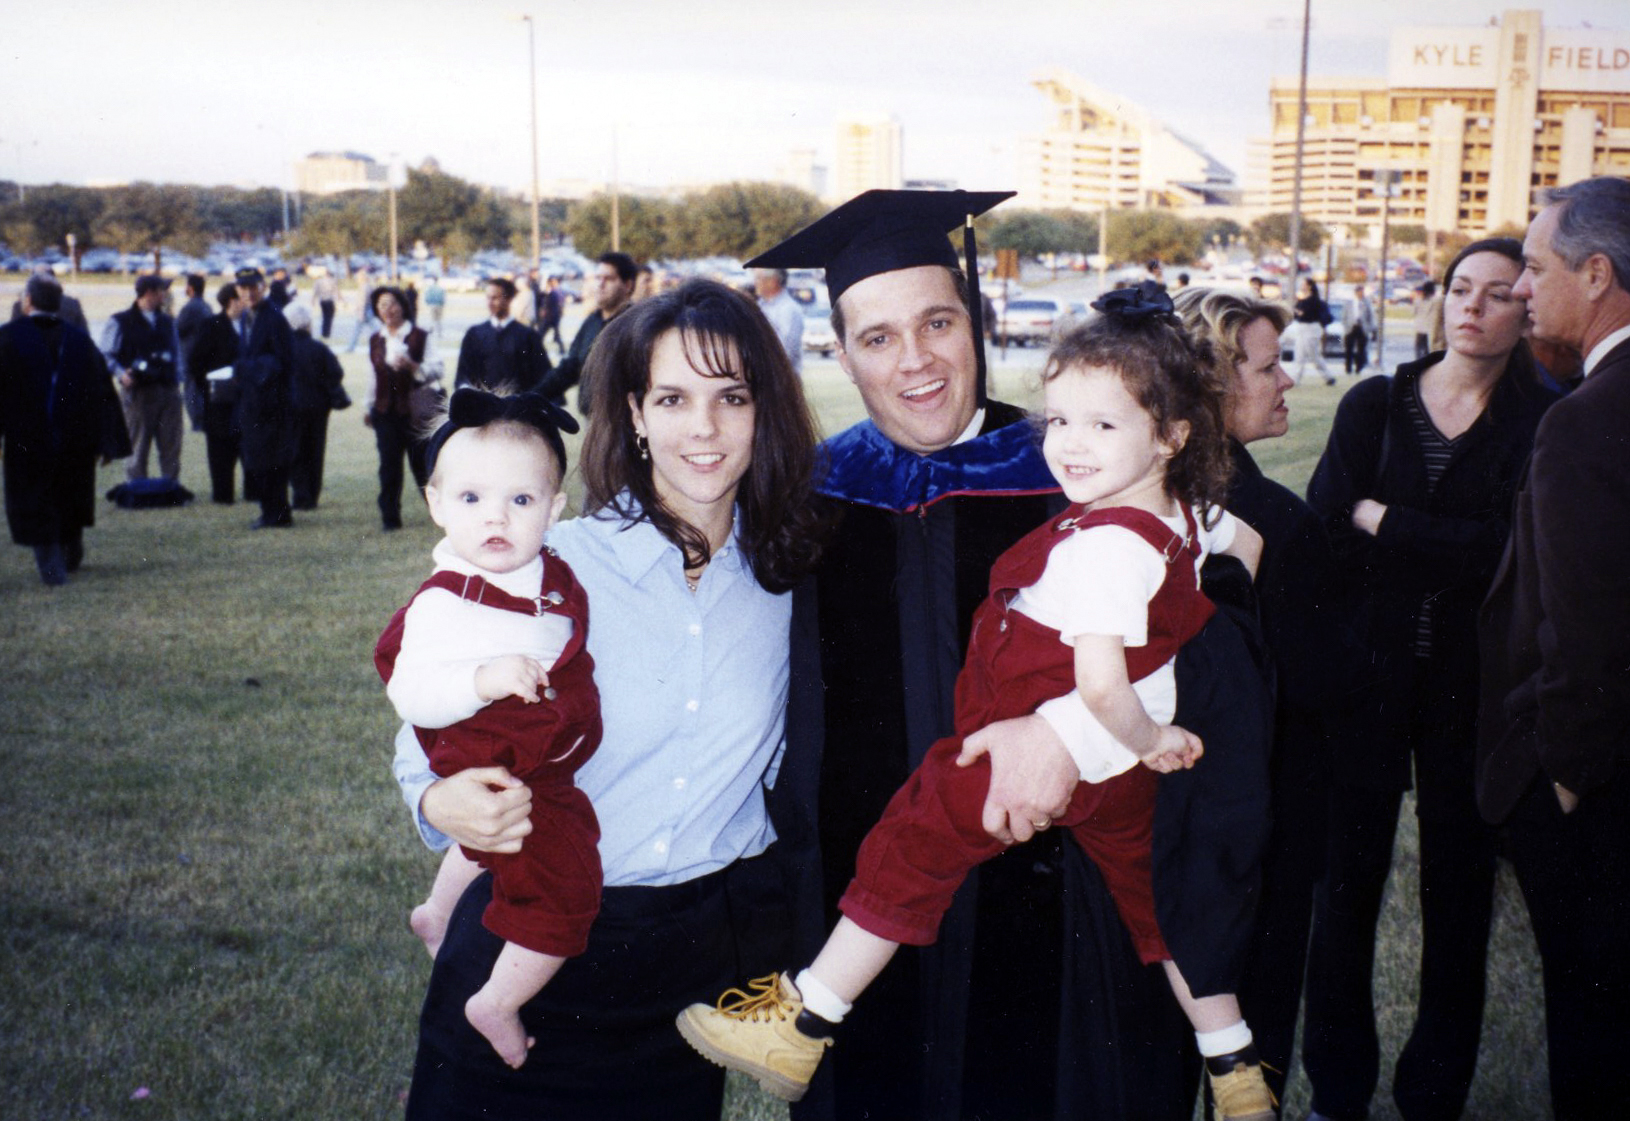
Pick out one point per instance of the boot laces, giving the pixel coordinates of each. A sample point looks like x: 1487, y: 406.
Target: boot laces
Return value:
x: 765, y: 998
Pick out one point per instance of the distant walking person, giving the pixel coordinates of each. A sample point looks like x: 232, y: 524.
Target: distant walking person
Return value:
x: 1311, y: 316
x: 144, y: 353
x: 551, y: 306
x: 1358, y: 323
x: 264, y: 372
x: 325, y: 291
x: 435, y: 301
x: 407, y: 392
x: 365, y: 309
x: 318, y: 390
x: 783, y: 313
x: 58, y: 414
x: 613, y: 287
x: 188, y: 321
x: 1428, y: 319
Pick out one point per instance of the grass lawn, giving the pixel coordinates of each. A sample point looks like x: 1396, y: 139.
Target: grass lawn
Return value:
x: 206, y: 869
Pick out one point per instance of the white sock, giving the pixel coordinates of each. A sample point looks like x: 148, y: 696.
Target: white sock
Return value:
x: 1223, y: 1041
x: 821, y: 1000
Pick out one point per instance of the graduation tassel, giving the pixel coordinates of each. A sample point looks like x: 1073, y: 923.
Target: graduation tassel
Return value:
x: 976, y: 306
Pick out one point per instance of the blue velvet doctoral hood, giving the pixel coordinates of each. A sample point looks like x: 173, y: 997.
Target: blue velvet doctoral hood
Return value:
x: 867, y: 468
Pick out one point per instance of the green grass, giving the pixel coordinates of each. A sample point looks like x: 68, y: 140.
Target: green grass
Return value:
x: 206, y: 869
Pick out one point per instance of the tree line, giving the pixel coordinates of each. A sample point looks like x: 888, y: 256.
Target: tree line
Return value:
x: 456, y: 218
x: 1141, y: 235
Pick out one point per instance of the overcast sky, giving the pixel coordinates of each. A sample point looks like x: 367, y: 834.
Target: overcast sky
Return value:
x: 698, y: 90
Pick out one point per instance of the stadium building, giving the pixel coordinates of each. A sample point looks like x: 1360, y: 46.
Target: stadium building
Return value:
x: 1474, y: 121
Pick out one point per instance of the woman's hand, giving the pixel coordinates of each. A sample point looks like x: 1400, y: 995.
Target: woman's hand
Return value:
x: 482, y: 808
x: 1367, y: 516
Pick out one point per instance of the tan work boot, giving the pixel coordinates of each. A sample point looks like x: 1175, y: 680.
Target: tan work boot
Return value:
x: 1238, y: 1090
x: 757, y: 1033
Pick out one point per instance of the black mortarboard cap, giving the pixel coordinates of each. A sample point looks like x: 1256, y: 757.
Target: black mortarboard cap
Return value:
x: 881, y: 231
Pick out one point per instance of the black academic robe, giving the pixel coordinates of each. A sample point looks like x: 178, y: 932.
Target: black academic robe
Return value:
x: 513, y: 358
x: 53, y: 429
x: 264, y: 374
x: 879, y: 636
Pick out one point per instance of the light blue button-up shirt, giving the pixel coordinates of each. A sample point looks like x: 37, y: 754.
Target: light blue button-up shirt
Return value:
x: 693, y: 693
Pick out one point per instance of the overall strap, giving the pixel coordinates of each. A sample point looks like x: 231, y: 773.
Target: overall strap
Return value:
x: 1153, y: 530
x: 559, y: 593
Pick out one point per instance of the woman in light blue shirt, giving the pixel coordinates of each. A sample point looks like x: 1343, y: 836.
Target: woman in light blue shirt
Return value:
x: 698, y: 472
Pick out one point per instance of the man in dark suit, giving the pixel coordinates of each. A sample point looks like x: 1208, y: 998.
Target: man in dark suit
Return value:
x: 264, y: 373
x: 612, y: 289
x: 499, y: 352
x: 1554, y: 737
x: 193, y: 315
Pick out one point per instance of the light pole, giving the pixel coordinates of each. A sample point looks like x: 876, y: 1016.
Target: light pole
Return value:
x: 532, y: 57
x: 392, y: 177
x: 1301, y: 136
x: 1386, y: 179
x: 616, y: 188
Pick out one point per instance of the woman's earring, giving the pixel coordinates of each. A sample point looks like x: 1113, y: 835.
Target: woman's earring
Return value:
x: 643, y: 445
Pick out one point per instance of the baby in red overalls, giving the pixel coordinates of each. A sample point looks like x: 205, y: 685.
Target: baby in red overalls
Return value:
x: 487, y: 662
x: 1097, y: 600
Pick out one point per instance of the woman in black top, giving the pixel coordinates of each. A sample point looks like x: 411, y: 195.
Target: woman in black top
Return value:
x: 1416, y: 486
x: 1310, y: 317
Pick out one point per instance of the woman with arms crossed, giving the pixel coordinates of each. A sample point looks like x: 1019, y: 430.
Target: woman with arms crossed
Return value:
x: 697, y: 471
x: 1416, y: 488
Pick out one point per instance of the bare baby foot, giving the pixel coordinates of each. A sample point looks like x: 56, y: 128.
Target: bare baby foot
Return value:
x: 501, y: 1026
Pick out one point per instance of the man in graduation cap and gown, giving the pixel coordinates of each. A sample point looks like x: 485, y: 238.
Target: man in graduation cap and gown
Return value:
x: 1032, y: 1002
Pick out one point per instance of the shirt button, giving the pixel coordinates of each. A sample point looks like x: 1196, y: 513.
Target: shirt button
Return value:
x: 692, y: 706
x: 660, y: 847
x: 679, y: 784
x: 695, y: 629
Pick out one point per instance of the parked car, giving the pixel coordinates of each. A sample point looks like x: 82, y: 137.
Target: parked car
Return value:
x: 818, y: 333
x: 1030, y: 320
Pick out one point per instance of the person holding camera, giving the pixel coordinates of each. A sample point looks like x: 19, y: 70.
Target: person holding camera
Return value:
x: 144, y: 353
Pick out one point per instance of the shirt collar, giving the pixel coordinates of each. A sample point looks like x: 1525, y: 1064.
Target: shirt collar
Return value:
x: 973, y: 428
x: 1602, y: 349
x: 499, y: 324
x: 640, y: 548
x: 523, y: 582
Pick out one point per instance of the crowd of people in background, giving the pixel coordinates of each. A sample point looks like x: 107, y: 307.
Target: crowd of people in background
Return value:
x: 1446, y: 611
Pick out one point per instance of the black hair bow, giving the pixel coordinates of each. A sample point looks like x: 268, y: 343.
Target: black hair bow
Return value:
x: 1147, y: 301
x: 476, y: 408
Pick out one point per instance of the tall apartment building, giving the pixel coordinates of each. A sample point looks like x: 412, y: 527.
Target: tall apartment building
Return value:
x: 326, y: 173
x: 802, y: 169
x: 1104, y: 151
x: 1475, y: 120
x: 868, y: 156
